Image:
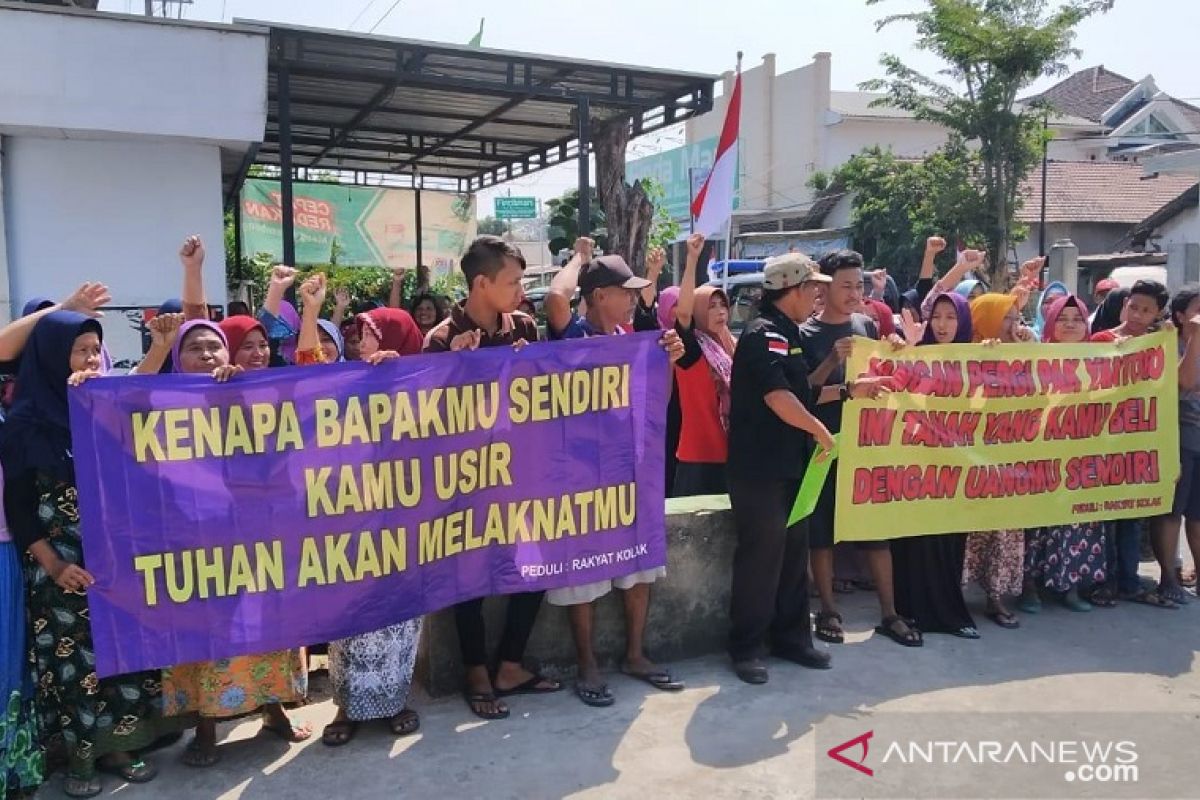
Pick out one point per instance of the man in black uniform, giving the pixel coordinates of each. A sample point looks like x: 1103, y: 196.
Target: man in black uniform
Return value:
x: 770, y: 436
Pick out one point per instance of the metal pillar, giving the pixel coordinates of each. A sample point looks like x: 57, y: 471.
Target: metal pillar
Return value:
x: 285, y: 170
x: 417, y: 196
x: 584, y: 109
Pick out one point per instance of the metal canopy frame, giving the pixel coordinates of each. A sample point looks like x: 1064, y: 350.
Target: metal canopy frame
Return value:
x: 449, y: 116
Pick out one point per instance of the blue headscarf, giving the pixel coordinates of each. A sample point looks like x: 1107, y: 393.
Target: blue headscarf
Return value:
x: 37, y: 431
x: 333, y: 332
x: 963, y: 309
x: 1055, y: 289
x: 965, y: 288
x: 36, y: 304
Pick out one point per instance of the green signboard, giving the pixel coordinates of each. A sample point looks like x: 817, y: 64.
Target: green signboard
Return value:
x: 516, y: 208
x: 372, y: 226
x: 676, y: 170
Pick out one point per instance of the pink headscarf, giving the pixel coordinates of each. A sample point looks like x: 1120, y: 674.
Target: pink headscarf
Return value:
x: 1055, y: 311
x: 667, y: 300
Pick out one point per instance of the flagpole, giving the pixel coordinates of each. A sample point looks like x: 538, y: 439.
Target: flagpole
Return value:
x: 729, y: 226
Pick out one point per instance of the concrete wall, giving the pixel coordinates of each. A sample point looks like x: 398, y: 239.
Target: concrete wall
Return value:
x: 689, y: 609
x: 1092, y: 238
x: 94, y: 75
x: 113, y: 211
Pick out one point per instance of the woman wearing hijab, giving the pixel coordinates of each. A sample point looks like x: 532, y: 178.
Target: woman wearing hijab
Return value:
x: 927, y: 570
x: 970, y: 289
x: 101, y: 721
x: 387, y: 330
x: 995, y: 559
x: 371, y: 673
x: 1068, y: 558
x: 1053, y: 292
x: 703, y: 376
x: 231, y: 687
x: 665, y: 309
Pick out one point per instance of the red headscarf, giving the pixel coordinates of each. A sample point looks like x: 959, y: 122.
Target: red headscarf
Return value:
x: 394, y: 328
x: 236, y: 329
x: 883, y: 316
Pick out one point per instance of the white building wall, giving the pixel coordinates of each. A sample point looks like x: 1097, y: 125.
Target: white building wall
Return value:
x: 110, y: 211
x: 96, y: 76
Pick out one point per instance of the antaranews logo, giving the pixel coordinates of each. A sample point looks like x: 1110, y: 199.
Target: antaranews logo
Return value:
x: 863, y: 740
x: 1091, y: 761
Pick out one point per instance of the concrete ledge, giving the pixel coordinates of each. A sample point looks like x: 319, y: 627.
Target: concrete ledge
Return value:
x: 689, y: 609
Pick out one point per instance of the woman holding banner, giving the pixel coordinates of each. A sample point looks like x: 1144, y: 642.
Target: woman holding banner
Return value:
x: 371, y: 673
x: 927, y: 570
x: 231, y: 687
x: 101, y: 722
x: 995, y: 558
x: 1070, y: 557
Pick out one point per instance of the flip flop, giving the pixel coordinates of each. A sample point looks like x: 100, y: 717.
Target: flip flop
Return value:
x: 339, y: 732
x: 1005, y: 619
x: 595, y: 696
x: 475, y: 699
x: 406, y: 723
x: 134, y: 772
x: 530, y: 686
x: 967, y: 632
x: 830, y: 633
x: 660, y: 679
x: 292, y: 733
x: 1149, y: 597
x: 911, y: 639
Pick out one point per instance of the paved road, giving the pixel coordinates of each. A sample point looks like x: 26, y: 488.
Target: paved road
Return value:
x: 719, y: 738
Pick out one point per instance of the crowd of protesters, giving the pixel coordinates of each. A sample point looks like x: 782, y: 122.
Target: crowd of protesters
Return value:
x: 747, y: 413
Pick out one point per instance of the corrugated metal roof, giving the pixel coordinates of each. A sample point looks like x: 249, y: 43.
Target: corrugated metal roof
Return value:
x: 473, y: 115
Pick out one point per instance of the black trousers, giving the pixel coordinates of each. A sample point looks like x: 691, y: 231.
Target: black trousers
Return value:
x: 770, y: 570
x: 518, y: 625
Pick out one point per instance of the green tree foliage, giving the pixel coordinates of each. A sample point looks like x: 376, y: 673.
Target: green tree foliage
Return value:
x: 564, y: 221
x: 664, y: 230
x: 493, y: 226
x: 898, y: 203
x: 994, y: 50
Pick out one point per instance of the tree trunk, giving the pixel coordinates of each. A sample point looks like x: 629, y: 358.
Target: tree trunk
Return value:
x: 627, y: 210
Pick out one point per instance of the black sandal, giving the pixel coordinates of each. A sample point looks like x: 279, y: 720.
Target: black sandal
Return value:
x: 407, y: 722
x: 594, y: 696
x: 911, y: 636
x: 1005, y: 619
x: 827, y: 632
x: 476, y: 701
x: 660, y: 679
x: 1149, y: 597
x: 134, y: 772
x: 531, y: 686
x: 339, y: 732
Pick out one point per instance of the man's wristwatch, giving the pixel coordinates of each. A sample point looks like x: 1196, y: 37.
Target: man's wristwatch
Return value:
x: 844, y: 392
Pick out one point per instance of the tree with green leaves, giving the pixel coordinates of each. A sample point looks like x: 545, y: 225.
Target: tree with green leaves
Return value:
x: 493, y: 226
x: 994, y: 50
x: 564, y: 221
x: 898, y: 203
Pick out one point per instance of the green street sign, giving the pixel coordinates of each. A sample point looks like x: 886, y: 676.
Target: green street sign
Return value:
x: 516, y: 208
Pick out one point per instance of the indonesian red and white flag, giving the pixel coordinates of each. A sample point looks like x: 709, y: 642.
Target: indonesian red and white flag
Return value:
x: 713, y: 204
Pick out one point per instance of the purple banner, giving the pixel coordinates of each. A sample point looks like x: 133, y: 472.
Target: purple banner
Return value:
x: 300, y: 505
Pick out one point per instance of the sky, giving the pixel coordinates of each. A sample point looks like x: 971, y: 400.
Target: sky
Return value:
x: 1137, y: 38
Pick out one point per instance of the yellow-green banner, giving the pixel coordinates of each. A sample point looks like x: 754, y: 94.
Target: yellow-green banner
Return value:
x: 1012, y: 436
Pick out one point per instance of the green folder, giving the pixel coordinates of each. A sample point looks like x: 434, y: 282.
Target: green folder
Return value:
x: 810, y: 487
